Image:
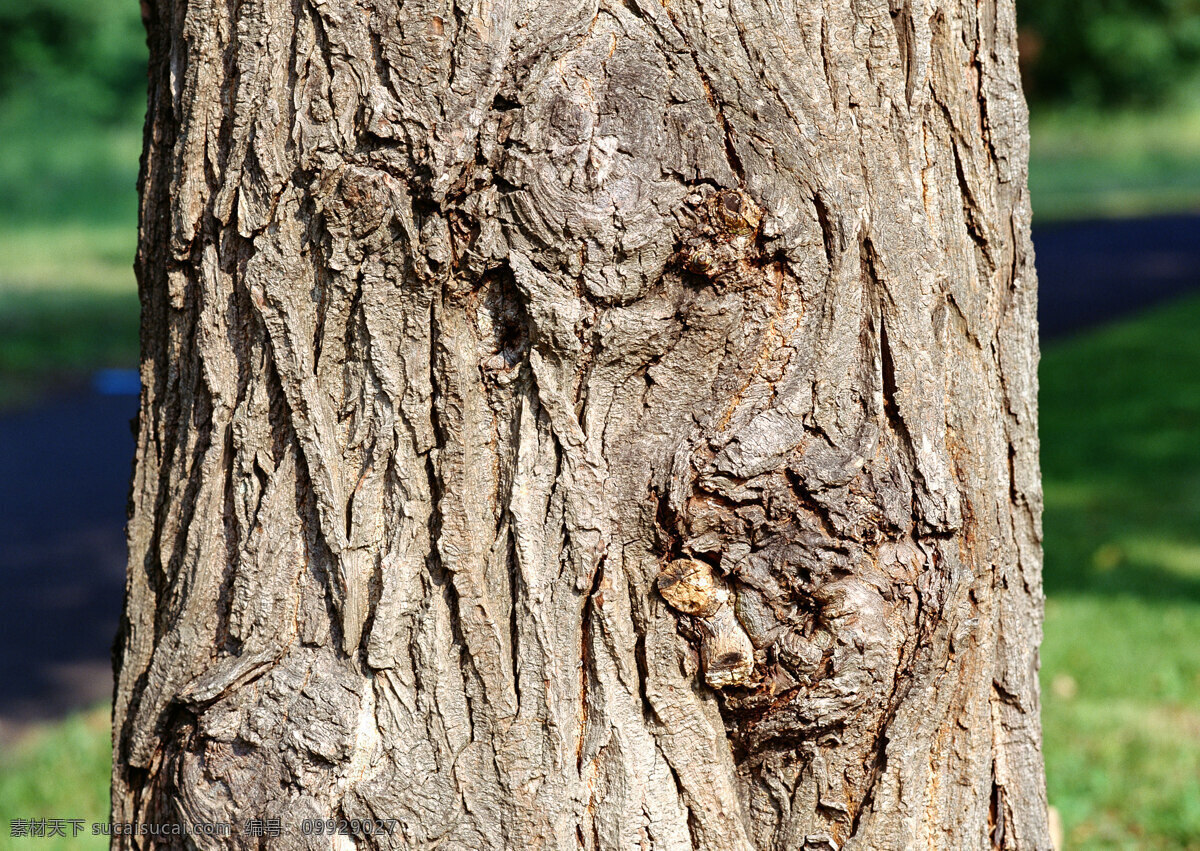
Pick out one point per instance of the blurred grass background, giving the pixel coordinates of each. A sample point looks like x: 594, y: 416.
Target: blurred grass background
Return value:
x: 1120, y: 427
x: 1090, y: 163
x: 59, y: 772
x: 1115, y: 103
x: 72, y: 97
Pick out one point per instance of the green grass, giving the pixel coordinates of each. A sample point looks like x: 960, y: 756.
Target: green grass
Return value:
x: 1087, y: 164
x: 68, y: 303
x: 61, y: 772
x: 57, y: 169
x: 1120, y: 412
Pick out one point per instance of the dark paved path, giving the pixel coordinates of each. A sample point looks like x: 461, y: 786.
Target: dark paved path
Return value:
x: 1093, y: 272
x: 64, y: 469
x: 64, y: 472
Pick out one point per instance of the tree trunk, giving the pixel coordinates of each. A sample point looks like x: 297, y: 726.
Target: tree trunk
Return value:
x: 585, y: 426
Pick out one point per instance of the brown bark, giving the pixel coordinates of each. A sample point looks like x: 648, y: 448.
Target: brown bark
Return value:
x: 585, y: 425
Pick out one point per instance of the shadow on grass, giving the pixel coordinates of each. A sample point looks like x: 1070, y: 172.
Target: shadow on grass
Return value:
x: 55, y: 337
x: 1120, y: 427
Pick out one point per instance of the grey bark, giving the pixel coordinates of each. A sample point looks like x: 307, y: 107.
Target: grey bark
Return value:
x: 585, y: 424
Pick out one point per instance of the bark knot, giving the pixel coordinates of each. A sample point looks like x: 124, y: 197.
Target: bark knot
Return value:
x: 724, y: 237
x: 691, y: 587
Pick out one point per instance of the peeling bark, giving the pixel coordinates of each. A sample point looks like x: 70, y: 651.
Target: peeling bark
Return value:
x: 585, y: 425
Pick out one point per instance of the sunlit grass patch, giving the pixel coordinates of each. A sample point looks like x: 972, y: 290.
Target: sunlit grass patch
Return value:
x: 66, y: 258
x: 1120, y: 416
x: 68, y: 305
x: 61, y: 772
x: 53, y: 172
x: 1085, y: 163
x: 1122, y: 773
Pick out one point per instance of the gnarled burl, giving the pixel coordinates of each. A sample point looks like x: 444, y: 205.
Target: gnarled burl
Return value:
x: 585, y: 425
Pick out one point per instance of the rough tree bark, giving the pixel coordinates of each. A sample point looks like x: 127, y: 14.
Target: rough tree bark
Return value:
x: 575, y: 424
